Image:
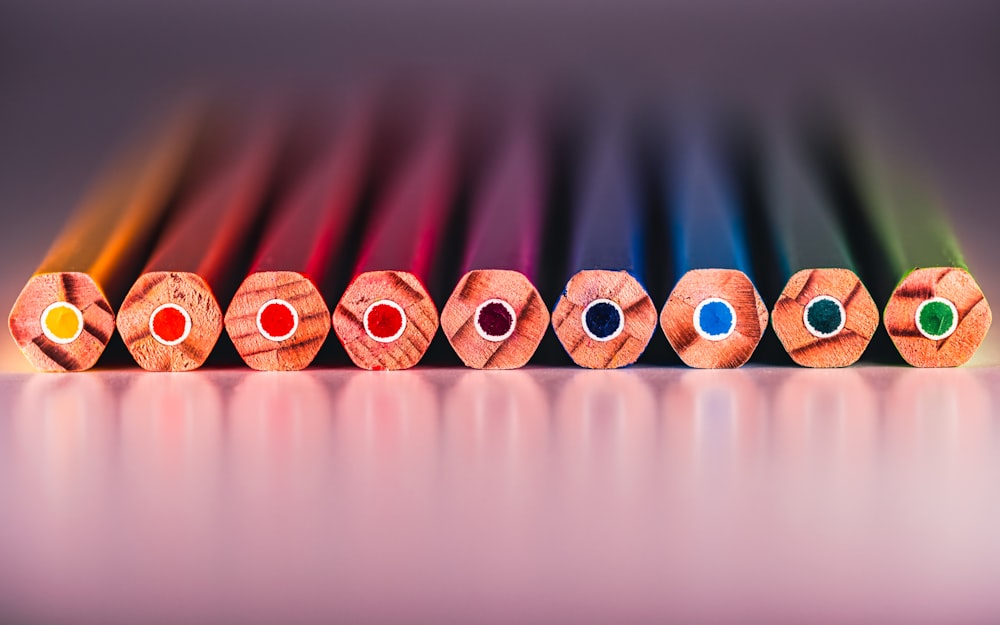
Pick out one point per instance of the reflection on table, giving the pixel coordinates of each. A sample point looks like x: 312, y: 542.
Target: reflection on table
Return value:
x: 494, y: 497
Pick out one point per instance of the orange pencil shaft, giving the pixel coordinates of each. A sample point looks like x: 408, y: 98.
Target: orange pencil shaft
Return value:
x: 171, y: 318
x: 63, y: 318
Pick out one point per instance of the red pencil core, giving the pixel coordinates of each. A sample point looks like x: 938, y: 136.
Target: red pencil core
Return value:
x: 169, y: 324
x: 384, y: 321
x: 276, y: 319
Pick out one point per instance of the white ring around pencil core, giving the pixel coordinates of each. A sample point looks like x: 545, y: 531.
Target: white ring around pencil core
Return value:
x: 954, y: 318
x: 510, y: 311
x: 621, y: 320
x: 184, y: 334
x: 697, y: 320
x: 390, y: 304
x: 295, y: 320
x: 49, y: 334
x: 815, y: 332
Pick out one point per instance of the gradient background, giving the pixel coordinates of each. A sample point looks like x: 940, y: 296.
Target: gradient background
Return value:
x: 545, y: 495
x: 75, y: 77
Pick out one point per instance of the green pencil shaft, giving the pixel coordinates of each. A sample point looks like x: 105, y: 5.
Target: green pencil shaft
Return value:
x: 907, y: 218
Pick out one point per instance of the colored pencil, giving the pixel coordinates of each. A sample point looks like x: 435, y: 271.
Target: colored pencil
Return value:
x: 825, y: 317
x: 278, y: 318
x: 170, y: 320
x: 495, y: 317
x: 937, y: 315
x: 386, y: 318
x: 714, y: 318
x: 604, y: 318
x: 63, y: 318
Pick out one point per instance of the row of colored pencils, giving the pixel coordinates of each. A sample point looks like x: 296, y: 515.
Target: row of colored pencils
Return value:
x: 256, y: 211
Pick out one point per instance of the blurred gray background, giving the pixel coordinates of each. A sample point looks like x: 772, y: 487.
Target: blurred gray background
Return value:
x: 76, y: 76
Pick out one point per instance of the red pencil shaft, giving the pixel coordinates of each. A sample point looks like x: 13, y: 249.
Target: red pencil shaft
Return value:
x: 412, y: 215
x: 311, y: 224
x: 215, y: 216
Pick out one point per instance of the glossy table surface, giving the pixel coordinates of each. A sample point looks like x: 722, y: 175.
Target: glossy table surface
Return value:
x: 533, y: 496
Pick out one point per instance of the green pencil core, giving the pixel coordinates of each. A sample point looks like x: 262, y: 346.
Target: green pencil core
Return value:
x: 936, y: 319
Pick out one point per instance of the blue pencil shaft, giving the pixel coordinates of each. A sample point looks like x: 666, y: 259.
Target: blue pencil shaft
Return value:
x: 608, y: 214
x: 706, y: 218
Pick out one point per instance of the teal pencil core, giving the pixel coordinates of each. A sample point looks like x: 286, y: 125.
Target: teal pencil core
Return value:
x: 825, y: 316
x: 936, y: 319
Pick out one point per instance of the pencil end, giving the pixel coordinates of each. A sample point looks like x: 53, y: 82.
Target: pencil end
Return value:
x: 170, y: 321
x: 714, y: 318
x: 61, y: 321
x: 278, y: 320
x: 938, y: 317
x: 604, y: 319
x: 385, y: 320
x: 494, y: 319
x: 825, y: 318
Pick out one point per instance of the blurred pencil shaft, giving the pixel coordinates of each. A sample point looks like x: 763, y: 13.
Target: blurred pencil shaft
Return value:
x: 806, y: 229
x: 608, y: 219
x: 216, y: 215
x: 114, y: 226
x: 507, y: 214
x: 909, y: 221
x: 707, y: 222
x: 311, y: 223
x: 412, y: 214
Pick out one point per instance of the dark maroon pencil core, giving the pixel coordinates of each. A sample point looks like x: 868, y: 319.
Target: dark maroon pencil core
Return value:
x: 494, y: 319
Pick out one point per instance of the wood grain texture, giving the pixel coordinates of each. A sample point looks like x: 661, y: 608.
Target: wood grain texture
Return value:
x: 406, y: 290
x: 677, y: 318
x: 195, y: 259
x: 953, y: 284
x: 189, y: 291
x: 293, y: 353
x: 78, y: 289
x: 99, y: 252
x: 458, y: 319
x: 842, y: 350
x: 623, y: 289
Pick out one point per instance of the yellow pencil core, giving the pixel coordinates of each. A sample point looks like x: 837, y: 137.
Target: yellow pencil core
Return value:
x: 62, y: 322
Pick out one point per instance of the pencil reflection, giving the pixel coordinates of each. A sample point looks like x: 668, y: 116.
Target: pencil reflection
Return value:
x: 496, y: 428
x: 714, y: 419
x: 496, y: 422
x: 63, y: 446
x: 386, y: 444
x: 171, y: 426
x: 279, y: 483
x: 278, y: 422
x: 172, y: 437
x: 63, y: 427
x: 940, y: 452
x: 605, y: 423
x: 825, y: 419
x: 384, y: 421
x: 941, y: 415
